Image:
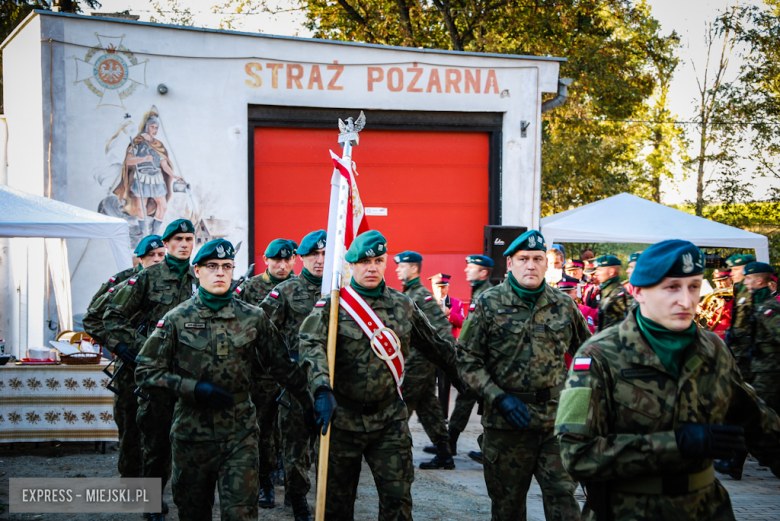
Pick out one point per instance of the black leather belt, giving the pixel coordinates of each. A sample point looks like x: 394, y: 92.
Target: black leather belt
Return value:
x: 364, y: 408
x: 544, y: 395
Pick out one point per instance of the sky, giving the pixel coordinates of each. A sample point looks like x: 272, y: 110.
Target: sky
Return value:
x: 687, y: 17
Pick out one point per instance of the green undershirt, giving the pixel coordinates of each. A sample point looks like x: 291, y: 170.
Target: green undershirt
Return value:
x: 373, y: 293
x: 179, y: 267
x: 529, y: 296
x: 411, y: 283
x: 669, y: 345
x: 317, y: 281
x: 761, y: 295
x: 212, y: 301
x: 279, y: 281
x: 607, y: 283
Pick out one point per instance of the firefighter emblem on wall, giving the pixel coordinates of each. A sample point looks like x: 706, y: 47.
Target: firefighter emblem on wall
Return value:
x: 110, y: 71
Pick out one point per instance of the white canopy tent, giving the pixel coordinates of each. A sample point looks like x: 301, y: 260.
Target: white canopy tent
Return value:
x: 628, y: 218
x: 27, y: 215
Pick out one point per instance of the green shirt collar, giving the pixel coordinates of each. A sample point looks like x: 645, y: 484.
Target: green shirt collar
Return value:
x: 604, y: 285
x: 761, y: 295
x: 317, y: 281
x: 411, y: 283
x: 529, y: 296
x: 279, y: 281
x: 214, y: 302
x: 668, y: 345
x: 179, y: 267
x: 373, y: 293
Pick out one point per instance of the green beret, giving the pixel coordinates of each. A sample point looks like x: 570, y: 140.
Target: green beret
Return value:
x: 407, y: 256
x: 739, y: 260
x: 216, y: 249
x: 634, y: 257
x: 606, y: 260
x: 530, y: 240
x: 178, y: 226
x: 672, y: 258
x: 757, y: 267
x: 147, y: 244
x: 367, y: 244
x: 281, y: 249
x: 312, y: 242
x: 480, y: 260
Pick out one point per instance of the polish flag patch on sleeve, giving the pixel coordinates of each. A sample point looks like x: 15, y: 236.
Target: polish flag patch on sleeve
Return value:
x: 768, y: 312
x: 110, y: 290
x: 112, y: 279
x: 582, y: 363
x: 239, y: 290
x: 429, y: 297
x: 131, y: 280
x: 473, y: 306
x: 274, y: 294
x: 160, y: 323
x: 320, y: 304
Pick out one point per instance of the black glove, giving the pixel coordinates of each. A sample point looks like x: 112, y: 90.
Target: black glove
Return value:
x: 514, y: 410
x: 206, y: 393
x: 705, y: 440
x: 324, y: 407
x: 125, y: 353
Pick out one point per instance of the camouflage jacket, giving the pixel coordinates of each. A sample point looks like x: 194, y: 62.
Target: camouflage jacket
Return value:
x: 360, y: 375
x: 614, y: 303
x: 476, y: 291
x: 93, y: 318
x: 766, y: 358
x: 289, y: 306
x: 193, y: 343
x: 506, y: 347
x: 617, y: 417
x: 114, y: 281
x: 255, y: 289
x: 416, y: 363
x: 144, y: 300
x: 741, y: 311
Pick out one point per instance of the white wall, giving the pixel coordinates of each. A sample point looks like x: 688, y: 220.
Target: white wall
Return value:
x: 212, y: 77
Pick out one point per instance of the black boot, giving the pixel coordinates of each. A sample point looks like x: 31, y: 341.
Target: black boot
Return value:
x: 164, y: 508
x: 266, y: 492
x: 732, y: 467
x: 300, y: 508
x: 476, y: 455
x: 454, y: 435
x: 430, y: 449
x: 442, y: 460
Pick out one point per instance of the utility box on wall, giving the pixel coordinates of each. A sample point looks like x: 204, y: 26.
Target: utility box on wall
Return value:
x: 497, y: 239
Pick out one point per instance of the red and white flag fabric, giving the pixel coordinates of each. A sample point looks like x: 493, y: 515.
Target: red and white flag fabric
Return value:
x: 346, y: 220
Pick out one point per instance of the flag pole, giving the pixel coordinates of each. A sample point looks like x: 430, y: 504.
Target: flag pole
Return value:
x: 336, y: 223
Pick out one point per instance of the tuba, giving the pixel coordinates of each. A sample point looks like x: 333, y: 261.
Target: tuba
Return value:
x: 711, y: 308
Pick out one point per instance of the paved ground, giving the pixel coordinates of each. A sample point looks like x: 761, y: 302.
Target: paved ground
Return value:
x: 755, y: 497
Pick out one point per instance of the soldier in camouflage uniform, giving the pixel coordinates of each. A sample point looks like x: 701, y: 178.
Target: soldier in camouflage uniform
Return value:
x: 739, y: 341
x: 478, y: 271
x: 614, y: 299
x: 648, y: 404
x: 512, y: 349
x: 279, y: 257
x: 372, y: 418
x: 132, y: 313
x: 202, y: 352
x: 765, y: 334
x: 419, y: 387
x: 287, y: 306
x: 150, y: 251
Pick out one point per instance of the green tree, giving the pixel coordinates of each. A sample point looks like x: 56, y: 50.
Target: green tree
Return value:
x: 12, y: 12
x: 616, y: 56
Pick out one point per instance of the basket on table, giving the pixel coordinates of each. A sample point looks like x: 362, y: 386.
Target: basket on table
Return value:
x: 81, y: 358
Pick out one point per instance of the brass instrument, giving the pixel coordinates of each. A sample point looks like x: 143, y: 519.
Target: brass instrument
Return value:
x: 711, y: 308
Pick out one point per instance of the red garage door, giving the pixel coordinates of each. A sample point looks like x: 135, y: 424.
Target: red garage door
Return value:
x: 434, y: 186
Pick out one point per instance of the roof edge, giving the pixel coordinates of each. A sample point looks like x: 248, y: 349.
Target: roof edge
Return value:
x: 19, y: 27
x: 277, y: 37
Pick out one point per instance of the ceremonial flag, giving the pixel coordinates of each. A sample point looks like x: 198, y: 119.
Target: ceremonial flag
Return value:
x: 346, y: 220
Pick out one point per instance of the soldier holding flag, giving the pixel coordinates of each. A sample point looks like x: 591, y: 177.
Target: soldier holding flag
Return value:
x: 376, y: 326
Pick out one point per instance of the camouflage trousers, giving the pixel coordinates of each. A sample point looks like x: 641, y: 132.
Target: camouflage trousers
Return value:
x: 296, y: 453
x: 230, y: 465
x: 388, y: 453
x: 419, y: 390
x: 131, y: 454
x: 766, y: 379
x: 461, y: 413
x: 511, y: 457
x: 154, y: 420
x: 264, y: 393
